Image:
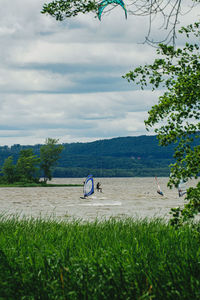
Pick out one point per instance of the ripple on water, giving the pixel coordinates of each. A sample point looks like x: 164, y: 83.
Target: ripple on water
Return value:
x: 120, y: 197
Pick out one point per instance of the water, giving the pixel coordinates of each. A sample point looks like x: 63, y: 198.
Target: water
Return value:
x: 133, y: 197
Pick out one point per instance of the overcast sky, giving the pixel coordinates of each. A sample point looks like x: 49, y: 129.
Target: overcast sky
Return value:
x: 64, y: 79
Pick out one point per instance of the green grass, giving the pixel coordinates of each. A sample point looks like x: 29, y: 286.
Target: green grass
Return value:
x: 109, y: 259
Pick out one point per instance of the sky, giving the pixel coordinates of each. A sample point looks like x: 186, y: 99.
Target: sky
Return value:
x: 64, y: 80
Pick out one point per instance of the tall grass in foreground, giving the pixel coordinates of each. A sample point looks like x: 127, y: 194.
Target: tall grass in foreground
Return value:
x: 113, y: 259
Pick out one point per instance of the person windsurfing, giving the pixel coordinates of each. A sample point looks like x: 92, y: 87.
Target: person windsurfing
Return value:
x: 182, y: 188
x: 98, y: 187
x: 159, y: 191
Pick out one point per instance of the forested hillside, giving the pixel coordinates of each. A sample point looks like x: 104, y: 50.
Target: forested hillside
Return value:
x: 117, y: 157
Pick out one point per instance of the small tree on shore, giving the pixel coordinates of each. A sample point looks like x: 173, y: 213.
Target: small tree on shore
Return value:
x: 9, y: 170
x: 49, y: 155
x: 27, y: 167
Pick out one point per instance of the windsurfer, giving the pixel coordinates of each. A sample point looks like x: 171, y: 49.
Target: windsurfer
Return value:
x: 159, y: 191
x: 98, y: 187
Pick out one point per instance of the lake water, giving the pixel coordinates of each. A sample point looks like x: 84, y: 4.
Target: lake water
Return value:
x: 133, y: 197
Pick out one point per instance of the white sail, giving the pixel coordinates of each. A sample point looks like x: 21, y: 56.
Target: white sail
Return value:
x: 182, y: 188
x: 88, y: 188
x: 159, y: 191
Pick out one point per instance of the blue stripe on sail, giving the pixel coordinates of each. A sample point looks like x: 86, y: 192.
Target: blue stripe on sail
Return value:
x: 89, y: 186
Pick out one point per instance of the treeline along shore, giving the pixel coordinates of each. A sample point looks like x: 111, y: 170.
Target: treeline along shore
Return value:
x: 108, y: 259
x: 118, y: 157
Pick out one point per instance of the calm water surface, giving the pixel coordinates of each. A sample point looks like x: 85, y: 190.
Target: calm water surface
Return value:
x: 135, y: 197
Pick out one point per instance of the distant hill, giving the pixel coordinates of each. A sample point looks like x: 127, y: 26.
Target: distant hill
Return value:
x: 116, y: 157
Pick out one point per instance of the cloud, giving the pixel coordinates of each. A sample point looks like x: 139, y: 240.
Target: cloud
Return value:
x: 63, y: 79
x: 73, y: 116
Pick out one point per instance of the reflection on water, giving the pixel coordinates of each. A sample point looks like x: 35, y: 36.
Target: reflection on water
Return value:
x: 135, y: 197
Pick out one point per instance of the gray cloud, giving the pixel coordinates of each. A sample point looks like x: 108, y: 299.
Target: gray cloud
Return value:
x: 63, y: 80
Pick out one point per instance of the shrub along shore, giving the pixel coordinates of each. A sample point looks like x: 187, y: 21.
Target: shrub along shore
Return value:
x: 104, y: 259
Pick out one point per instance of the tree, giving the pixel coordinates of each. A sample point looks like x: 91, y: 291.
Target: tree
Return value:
x: 178, y: 111
x: 169, y: 11
x: 27, y: 167
x: 49, y: 154
x: 9, y: 170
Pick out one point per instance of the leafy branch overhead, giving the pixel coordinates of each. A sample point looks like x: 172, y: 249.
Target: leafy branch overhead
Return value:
x: 65, y: 9
x: 177, y: 113
x: 167, y: 12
